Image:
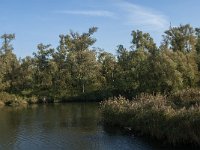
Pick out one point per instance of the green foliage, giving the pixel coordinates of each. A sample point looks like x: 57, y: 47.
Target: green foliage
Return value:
x: 180, y: 38
x: 9, y: 65
x: 142, y: 41
x: 25, y: 77
x: 74, y: 70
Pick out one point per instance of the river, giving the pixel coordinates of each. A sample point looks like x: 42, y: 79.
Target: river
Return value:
x: 70, y: 126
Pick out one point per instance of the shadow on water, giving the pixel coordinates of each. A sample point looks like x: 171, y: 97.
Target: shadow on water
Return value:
x: 73, y: 126
x: 142, y: 140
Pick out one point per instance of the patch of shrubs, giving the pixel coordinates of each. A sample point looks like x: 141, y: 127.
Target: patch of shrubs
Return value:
x: 11, y: 100
x: 174, y: 119
x: 186, y: 98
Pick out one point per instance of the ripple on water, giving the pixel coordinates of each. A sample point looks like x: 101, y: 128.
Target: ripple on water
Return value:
x: 70, y: 126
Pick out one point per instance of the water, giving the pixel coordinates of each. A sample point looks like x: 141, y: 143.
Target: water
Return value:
x: 72, y: 126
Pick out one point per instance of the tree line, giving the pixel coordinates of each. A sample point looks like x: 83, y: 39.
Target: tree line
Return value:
x: 76, y: 71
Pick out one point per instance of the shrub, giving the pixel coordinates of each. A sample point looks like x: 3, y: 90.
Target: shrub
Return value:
x: 156, y: 116
x: 11, y: 100
x: 186, y: 98
x: 32, y: 100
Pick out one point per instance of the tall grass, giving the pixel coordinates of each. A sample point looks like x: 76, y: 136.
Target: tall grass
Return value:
x: 161, y: 117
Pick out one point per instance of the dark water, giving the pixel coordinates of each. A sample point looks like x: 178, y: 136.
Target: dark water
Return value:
x: 73, y: 126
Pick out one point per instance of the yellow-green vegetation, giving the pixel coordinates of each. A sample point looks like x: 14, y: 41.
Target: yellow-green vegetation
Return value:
x: 174, y: 119
x: 11, y: 100
x: 1, y: 104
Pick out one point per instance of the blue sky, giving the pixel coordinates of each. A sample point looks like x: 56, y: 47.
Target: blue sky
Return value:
x: 36, y: 21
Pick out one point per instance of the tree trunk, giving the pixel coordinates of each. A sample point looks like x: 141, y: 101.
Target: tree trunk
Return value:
x: 83, y: 88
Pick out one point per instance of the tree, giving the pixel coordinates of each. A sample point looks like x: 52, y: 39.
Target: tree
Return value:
x: 25, y: 79
x: 124, y: 77
x: 142, y: 41
x: 108, y: 72
x: 81, y: 60
x: 8, y: 65
x: 76, y: 42
x: 44, y: 70
x: 180, y: 38
x: 6, y: 46
x: 197, y: 47
x: 62, y: 78
x: 198, y: 40
x: 84, y: 71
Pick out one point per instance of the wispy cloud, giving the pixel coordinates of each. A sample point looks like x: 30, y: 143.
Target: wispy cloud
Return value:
x: 127, y: 13
x: 142, y: 16
x: 95, y: 13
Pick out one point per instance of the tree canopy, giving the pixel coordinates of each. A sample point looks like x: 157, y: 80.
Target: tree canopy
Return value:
x: 75, y: 69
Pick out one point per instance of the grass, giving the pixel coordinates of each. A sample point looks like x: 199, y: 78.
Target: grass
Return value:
x: 174, y: 119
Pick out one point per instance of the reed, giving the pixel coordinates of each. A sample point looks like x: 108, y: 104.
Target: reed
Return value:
x: 158, y: 116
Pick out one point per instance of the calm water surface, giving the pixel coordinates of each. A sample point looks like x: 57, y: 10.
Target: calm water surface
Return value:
x: 72, y: 126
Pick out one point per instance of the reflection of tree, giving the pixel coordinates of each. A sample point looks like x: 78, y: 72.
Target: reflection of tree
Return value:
x: 80, y: 116
x: 10, y: 121
x: 48, y: 125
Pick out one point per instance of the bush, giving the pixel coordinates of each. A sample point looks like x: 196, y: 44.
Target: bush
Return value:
x: 1, y: 104
x: 156, y: 116
x: 32, y: 100
x: 186, y: 98
x: 11, y: 100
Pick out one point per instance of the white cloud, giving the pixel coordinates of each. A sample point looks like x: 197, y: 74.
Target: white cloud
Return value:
x: 127, y: 13
x: 142, y: 16
x: 95, y: 13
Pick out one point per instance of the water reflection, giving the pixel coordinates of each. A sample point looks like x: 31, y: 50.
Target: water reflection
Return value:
x: 73, y: 126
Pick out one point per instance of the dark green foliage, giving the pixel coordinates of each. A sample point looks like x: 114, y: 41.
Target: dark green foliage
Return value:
x: 44, y: 70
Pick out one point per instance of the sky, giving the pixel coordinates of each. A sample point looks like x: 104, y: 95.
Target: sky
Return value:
x: 42, y: 21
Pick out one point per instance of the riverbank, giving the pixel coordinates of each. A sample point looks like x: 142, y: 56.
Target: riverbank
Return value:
x: 174, y: 119
x: 7, y: 99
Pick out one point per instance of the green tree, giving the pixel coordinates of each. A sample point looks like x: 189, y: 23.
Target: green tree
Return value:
x: 142, y: 41
x: 25, y: 80
x: 81, y: 60
x: 108, y: 72
x: 44, y: 70
x: 8, y: 65
x: 124, y: 77
x: 198, y: 40
x: 180, y: 38
x: 61, y: 83
x: 84, y: 70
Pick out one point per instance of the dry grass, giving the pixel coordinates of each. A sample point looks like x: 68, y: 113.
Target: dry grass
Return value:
x: 158, y: 116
